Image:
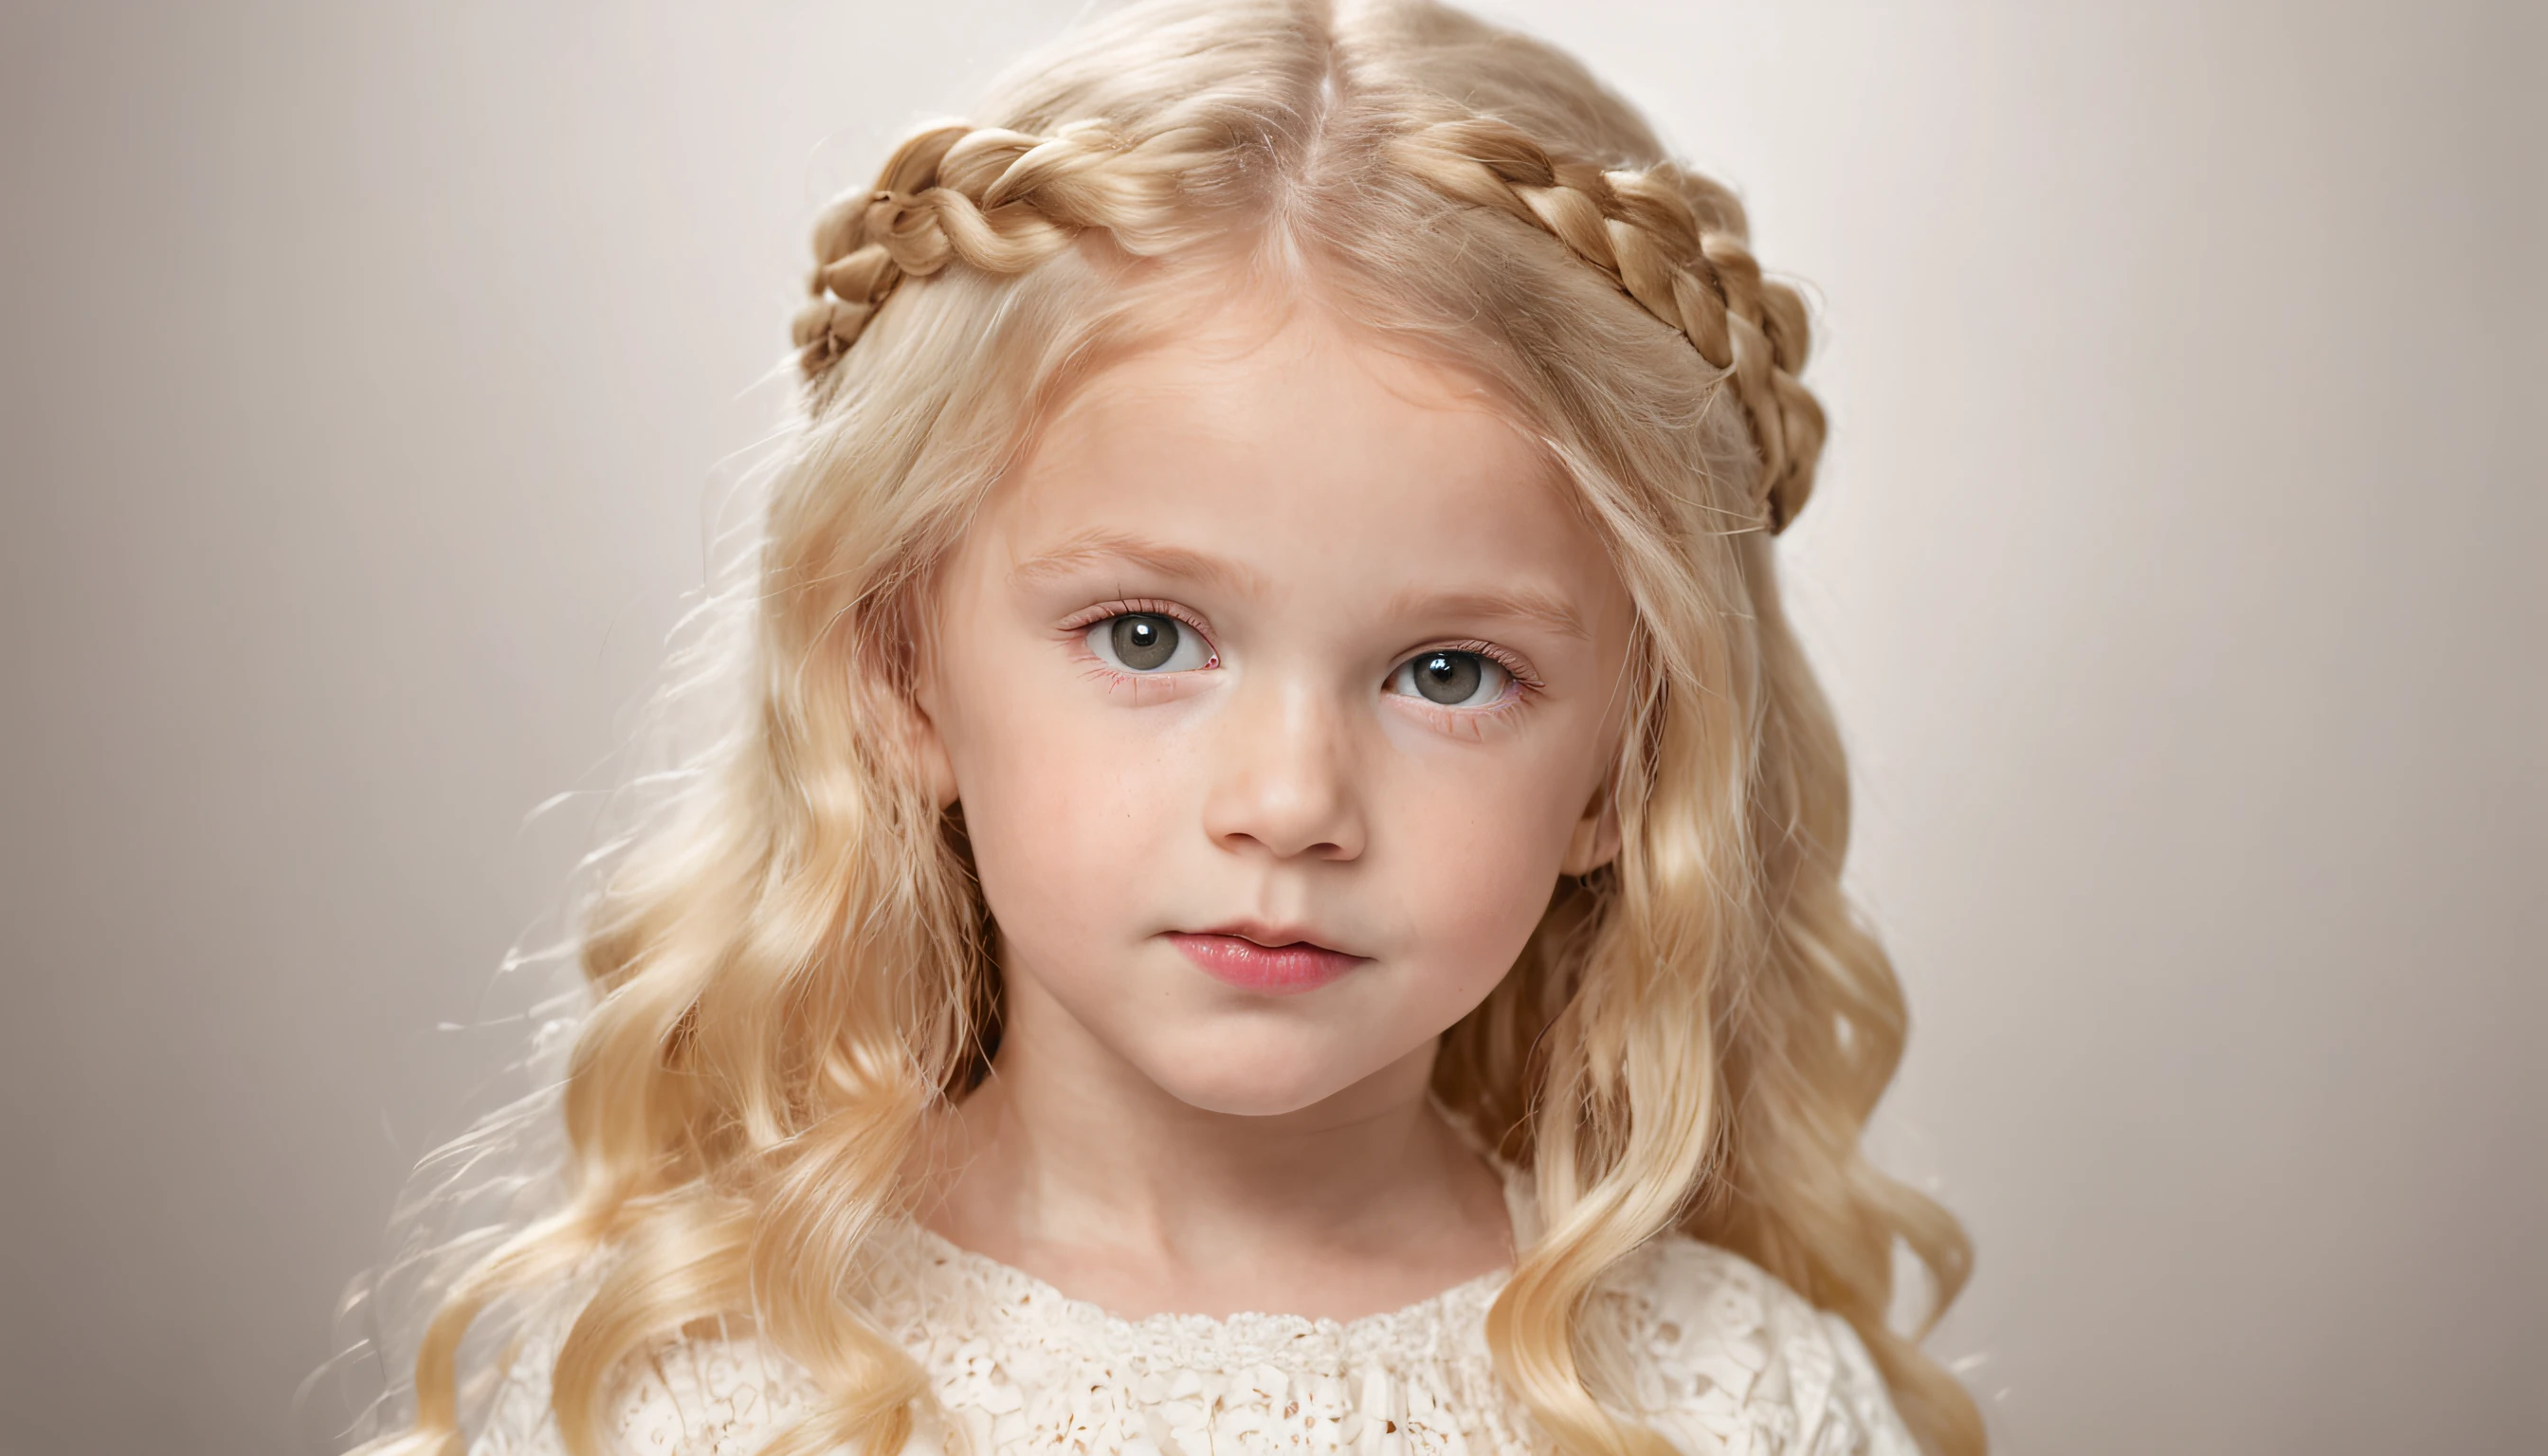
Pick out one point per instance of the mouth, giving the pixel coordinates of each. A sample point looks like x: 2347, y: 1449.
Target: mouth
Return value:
x: 1274, y: 961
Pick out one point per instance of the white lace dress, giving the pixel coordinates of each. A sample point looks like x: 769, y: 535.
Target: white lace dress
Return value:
x: 1728, y: 1359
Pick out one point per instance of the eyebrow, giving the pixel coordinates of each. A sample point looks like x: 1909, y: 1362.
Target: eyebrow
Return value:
x: 1111, y: 548
x: 1514, y: 604
x: 1098, y: 549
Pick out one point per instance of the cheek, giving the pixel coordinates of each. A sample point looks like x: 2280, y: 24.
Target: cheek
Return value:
x: 1477, y: 873
x: 1062, y: 812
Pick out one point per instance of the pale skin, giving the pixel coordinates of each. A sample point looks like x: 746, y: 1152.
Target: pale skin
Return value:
x: 1333, y: 538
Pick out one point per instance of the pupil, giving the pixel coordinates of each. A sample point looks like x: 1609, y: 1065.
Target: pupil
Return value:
x: 1448, y: 677
x: 1145, y: 641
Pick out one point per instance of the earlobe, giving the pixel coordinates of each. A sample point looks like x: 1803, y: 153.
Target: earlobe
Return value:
x: 1595, y: 840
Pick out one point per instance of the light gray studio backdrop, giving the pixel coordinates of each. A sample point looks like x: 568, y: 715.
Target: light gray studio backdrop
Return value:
x: 2177, y: 570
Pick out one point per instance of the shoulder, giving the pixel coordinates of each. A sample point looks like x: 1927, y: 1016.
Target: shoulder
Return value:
x: 1723, y: 1356
x: 695, y: 1398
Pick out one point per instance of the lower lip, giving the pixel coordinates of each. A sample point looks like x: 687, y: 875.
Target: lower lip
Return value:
x: 1276, y: 971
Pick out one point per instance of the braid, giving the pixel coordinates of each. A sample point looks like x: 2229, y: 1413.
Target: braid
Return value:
x: 1673, y: 242
x: 998, y: 200
x: 1004, y: 201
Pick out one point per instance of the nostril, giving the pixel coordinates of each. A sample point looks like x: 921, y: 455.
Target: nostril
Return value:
x: 1287, y: 788
x: 1328, y: 830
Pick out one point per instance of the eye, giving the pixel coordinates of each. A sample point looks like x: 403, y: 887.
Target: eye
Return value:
x: 1454, y: 680
x: 1147, y: 642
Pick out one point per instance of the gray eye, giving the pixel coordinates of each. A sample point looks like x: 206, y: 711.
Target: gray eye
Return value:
x: 1447, y: 677
x: 1149, y: 642
x: 1144, y: 642
x: 1455, y: 680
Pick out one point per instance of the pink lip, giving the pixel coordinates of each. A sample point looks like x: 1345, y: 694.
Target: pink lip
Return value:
x: 1277, y: 969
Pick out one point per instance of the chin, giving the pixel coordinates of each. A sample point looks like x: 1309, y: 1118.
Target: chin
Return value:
x: 1263, y: 1080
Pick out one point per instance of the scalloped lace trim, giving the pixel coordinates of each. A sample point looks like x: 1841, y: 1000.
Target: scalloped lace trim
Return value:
x: 1011, y: 1300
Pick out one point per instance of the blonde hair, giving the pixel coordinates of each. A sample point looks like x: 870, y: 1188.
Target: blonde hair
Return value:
x: 790, y: 965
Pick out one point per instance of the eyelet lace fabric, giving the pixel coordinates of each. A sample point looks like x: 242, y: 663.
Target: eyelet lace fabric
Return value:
x: 1725, y: 1358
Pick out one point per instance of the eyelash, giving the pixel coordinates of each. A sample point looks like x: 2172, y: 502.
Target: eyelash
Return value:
x: 1525, y: 683
x: 1514, y: 668
x: 1473, y: 724
x: 1074, y: 628
x: 1080, y: 621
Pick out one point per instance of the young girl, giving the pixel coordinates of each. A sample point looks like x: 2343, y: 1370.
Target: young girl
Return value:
x: 1276, y: 882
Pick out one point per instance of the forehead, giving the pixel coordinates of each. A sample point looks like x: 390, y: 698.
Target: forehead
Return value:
x: 1259, y: 433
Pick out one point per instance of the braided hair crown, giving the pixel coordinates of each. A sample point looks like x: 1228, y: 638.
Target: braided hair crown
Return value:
x: 1004, y: 201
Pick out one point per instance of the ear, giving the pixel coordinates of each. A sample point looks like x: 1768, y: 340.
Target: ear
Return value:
x: 1595, y: 840
x: 928, y: 745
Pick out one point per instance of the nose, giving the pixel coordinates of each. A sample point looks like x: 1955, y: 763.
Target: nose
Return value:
x: 1285, y: 781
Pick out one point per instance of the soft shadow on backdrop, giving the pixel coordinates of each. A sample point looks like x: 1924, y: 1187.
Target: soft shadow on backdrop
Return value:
x: 369, y: 371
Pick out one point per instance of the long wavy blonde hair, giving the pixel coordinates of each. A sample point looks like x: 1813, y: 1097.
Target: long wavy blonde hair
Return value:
x: 789, y: 967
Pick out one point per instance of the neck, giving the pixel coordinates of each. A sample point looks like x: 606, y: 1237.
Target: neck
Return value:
x: 1071, y: 1163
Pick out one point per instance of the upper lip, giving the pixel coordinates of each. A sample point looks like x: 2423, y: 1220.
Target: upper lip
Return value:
x: 1271, y: 937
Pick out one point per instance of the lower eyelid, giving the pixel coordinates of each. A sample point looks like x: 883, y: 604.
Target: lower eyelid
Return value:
x: 1142, y: 688
x: 1457, y: 719
x: 1469, y: 722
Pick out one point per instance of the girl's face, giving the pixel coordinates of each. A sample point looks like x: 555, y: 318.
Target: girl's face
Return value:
x: 1278, y: 686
